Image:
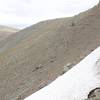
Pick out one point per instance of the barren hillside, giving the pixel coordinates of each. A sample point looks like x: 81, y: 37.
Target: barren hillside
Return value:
x: 35, y: 56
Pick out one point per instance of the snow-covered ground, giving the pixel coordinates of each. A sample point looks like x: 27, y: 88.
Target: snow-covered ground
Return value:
x: 74, y: 84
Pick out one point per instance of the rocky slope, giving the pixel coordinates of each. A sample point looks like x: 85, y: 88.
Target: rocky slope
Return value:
x: 35, y: 56
x: 76, y: 83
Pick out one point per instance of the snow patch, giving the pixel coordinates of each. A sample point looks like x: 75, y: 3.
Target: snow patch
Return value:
x: 74, y: 84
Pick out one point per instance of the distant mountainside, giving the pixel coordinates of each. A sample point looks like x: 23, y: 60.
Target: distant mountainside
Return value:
x: 33, y: 57
x: 6, y: 31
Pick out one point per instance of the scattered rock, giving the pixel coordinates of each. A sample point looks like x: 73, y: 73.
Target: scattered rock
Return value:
x: 94, y: 94
x: 72, y: 24
x: 67, y: 67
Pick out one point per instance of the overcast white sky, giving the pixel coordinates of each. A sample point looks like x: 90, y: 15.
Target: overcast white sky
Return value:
x: 22, y: 13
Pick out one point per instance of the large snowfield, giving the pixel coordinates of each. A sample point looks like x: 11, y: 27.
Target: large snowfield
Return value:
x: 74, y: 84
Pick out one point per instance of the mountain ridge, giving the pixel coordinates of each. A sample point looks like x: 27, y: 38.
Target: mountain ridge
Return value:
x: 5, y: 31
x: 35, y: 56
